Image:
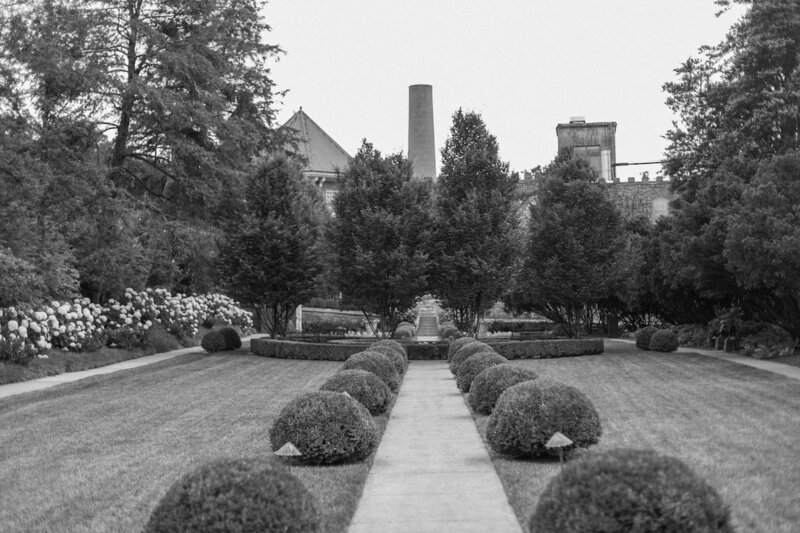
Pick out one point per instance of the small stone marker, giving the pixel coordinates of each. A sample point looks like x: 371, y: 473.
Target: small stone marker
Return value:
x: 560, y: 441
x: 288, y: 450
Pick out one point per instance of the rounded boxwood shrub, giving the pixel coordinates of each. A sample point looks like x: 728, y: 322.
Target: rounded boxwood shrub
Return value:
x: 214, y: 341
x: 394, y: 356
x: 232, y: 339
x: 404, y: 332
x: 378, y: 364
x: 362, y: 385
x: 664, y: 340
x: 490, y: 384
x: 466, y: 351
x: 392, y: 344
x: 236, y: 495
x: 629, y: 490
x: 526, y: 415
x: 474, y: 365
x: 448, y: 331
x: 458, y: 344
x: 327, y: 427
x: 643, y: 337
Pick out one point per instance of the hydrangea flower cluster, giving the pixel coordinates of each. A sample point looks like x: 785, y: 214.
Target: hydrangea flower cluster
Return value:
x: 73, y: 325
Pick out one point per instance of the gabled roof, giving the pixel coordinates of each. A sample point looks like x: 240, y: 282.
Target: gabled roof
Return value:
x: 322, y: 152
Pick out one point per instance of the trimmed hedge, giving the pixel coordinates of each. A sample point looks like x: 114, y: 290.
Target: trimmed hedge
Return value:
x: 466, y: 351
x: 529, y: 413
x: 518, y: 326
x: 664, y: 340
x: 304, y: 350
x: 474, y: 365
x: 629, y: 490
x: 236, y: 495
x: 404, y: 332
x: 392, y: 344
x: 394, y: 356
x: 378, y: 364
x: 457, y: 344
x: 447, y: 331
x: 232, y: 339
x: 364, y: 386
x: 548, y: 349
x: 643, y: 337
x: 491, y: 383
x: 214, y: 341
x: 327, y: 427
x: 427, y: 351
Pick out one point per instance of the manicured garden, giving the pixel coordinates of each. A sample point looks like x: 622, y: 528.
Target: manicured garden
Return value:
x: 98, y: 454
x: 734, y: 426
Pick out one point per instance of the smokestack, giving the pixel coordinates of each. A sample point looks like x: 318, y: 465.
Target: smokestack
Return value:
x: 421, y: 149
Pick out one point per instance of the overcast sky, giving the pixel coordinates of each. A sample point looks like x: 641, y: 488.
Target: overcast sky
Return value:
x: 524, y: 65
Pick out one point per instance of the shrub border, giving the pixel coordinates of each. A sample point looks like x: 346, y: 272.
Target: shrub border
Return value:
x: 547, y: 349
x: 339, y: 351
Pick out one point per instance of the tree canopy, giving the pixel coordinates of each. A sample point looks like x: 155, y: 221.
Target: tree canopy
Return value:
x: 380, y: 235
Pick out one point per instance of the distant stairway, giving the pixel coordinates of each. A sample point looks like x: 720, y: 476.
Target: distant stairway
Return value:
x: 428, y: 327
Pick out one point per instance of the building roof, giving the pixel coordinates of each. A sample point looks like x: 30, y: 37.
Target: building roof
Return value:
x: 320, y: 150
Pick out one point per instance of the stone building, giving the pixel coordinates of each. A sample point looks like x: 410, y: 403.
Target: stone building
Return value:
x: 595, y: 142
x: 325, y: 159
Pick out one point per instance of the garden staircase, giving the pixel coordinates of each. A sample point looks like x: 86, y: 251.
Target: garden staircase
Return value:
x: 427, y: 327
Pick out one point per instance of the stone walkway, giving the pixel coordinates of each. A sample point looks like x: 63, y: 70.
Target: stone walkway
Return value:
x: 762, y: 364
x: 432, y: 472
x: 51, y: 381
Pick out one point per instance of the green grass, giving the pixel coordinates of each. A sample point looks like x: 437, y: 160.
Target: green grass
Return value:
x: 737, y: 426
x: 97, y: 454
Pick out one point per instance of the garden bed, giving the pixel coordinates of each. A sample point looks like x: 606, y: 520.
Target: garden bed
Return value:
x: 97, y: 454
x: 735, y: 426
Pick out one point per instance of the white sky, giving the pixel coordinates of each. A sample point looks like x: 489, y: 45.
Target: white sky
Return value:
x: 524, y: 65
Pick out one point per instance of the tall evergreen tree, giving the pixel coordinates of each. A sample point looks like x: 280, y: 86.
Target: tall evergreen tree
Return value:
x: 737, y: 107
x: 272, y: 254
x: 380, y: 234
x: 476, y: 222
x: 573, y: 247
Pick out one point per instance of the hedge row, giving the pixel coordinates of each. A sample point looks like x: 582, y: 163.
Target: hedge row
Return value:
x: 547, y: 349
x: 335, y: 351
x: 331, y: 351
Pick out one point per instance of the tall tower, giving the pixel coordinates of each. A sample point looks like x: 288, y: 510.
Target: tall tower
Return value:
x: 593, y: 141
x: 421, y: 148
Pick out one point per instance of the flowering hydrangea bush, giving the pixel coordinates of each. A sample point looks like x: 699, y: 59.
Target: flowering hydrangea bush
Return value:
x: 80, y: 325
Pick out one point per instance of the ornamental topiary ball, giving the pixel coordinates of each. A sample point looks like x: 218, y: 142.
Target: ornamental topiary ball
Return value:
x: 449, y: 331
x: 404, y: 332
x: 236, y: 495
x: 378, y: 364
x: 529, y: 413
x: 664, y: 340
x: 232, y: 339
x: 629, y: 490
x: 466, y: 351
x: 474, y: 365
x: 392, y: 344
x: 457, y: 345
x: 394, y: 356
x: 327, y: 427
x: 214, y: 341
x: 490, y: 384
x: 643, y: 337
x: 362, y: 385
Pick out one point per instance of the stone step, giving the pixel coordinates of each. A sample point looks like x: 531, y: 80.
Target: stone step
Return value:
x: 428, y: 326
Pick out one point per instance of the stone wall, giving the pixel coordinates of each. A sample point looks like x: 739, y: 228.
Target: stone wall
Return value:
x: 648, y: 198
x: 641, y: 198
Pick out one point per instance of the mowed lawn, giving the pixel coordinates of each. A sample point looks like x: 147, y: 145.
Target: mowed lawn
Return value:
x: 97, y: 455
x: 736, y: 426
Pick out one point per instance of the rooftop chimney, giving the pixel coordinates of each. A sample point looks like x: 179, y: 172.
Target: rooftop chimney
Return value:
x: 577, y: 120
